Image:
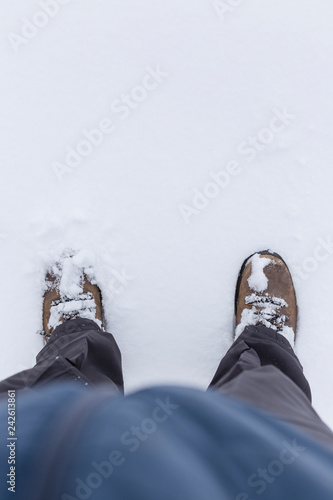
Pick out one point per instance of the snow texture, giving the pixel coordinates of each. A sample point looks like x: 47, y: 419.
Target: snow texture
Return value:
x: 69, y: 273
x: 258, y: 280
x: 83, y: 306
x: 226, y: 150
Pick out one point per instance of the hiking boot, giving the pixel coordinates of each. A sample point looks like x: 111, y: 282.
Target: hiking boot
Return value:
x: 70, y: 295
x: 265, y: 295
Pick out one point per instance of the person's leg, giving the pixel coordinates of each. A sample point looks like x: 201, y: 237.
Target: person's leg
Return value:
x: 261, y: 366
x: 262, y: 369
x: 77, y: 351
x: 260, y: 346
x: 77, y: 347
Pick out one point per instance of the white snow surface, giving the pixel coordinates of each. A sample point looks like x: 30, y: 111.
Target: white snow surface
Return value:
x: 226, y: 151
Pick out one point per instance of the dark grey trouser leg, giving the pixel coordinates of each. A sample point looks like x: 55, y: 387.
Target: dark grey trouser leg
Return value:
x: 262, y: 369
x: 261, y: 346
x: 77, y: 351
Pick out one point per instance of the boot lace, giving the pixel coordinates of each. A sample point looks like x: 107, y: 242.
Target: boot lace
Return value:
x: 265, y: 310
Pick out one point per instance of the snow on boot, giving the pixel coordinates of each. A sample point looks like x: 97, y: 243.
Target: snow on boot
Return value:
x: 265, y: 295
x: 69, y: 295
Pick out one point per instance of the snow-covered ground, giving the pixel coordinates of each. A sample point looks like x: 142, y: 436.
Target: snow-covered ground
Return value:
x: 214, y: 140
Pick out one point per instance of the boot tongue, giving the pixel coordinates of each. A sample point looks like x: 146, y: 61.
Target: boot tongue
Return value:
x: 266, y: 309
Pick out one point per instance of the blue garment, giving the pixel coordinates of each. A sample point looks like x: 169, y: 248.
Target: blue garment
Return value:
x: 163, y: 443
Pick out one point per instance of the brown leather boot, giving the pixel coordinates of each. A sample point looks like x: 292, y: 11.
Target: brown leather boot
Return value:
x: 265, y: 295
x: 83, y: 300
